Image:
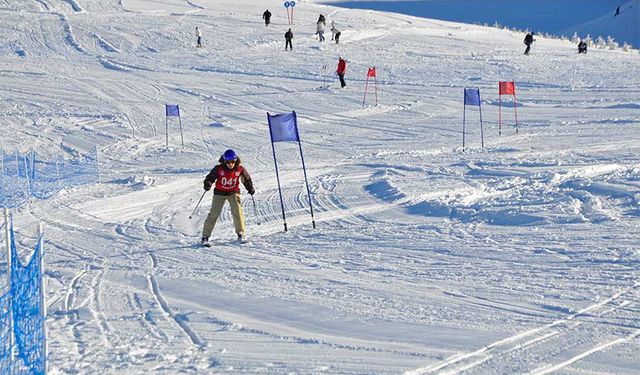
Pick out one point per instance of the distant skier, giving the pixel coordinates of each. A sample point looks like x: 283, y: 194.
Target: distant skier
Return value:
x: 287, y: 37
x: 335, y: 33
x: 582, y: 47
x: 198, y: 37
x: 226, y: 176
x: 342, y: 69
x: 266, y: 16
x: 320, y: 30
x: 528, y: 41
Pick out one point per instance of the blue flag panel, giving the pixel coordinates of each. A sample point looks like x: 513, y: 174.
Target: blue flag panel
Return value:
x: 283, y: 127
x: 173, y: 110
x: 472, y: 97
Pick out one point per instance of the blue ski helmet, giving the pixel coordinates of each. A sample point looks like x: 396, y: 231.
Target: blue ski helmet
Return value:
x: 229, y: 155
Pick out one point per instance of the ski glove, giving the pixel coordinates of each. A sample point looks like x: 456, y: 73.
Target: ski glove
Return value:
x: 207, y: 185
x: 251, y: 192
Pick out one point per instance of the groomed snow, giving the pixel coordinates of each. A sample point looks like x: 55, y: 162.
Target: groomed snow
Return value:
x: 521, y: 257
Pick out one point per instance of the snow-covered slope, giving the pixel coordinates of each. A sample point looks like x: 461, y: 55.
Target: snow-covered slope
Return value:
x: 560, y: 18
x: 521, y: 257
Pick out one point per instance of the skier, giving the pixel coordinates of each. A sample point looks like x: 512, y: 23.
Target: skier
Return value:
x: 320, y: 30
x: 287, y: 37
x: 528, y: 41
x: 266, y: 16
x: 582, y: 47
x: 227, y: 176
x: 342, y: 68
x: 335, y: 33
x: 199, y: 37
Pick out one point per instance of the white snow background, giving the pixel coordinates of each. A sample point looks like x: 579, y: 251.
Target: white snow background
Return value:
x: 522, y: 257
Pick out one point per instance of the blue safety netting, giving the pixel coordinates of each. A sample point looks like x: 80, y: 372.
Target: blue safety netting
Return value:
x: 28, y: 312
x: 14, y: 184
x: 29, y: 175
x: 5, y: 317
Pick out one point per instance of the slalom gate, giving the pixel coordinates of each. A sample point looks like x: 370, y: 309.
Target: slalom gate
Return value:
x: 23, y: 348
x: 28, y: 175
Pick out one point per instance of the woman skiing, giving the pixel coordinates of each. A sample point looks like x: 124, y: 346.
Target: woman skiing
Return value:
x: 226, y: 176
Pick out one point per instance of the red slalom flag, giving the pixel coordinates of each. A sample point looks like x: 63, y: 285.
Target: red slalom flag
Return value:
x: 507, y: 88
x: 371, y: 72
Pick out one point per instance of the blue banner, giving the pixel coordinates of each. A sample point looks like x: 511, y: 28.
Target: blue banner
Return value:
x: 283, y: 127
x: 172, y: 110
x: 471, y: 96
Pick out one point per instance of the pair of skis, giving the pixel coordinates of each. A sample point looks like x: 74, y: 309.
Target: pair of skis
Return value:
x: 233, y: 242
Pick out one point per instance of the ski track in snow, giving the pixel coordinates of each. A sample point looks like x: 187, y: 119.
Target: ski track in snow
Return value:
x: 517, y: 258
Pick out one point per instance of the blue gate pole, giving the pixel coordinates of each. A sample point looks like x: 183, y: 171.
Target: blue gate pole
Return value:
x: 180, y: 122
x: 275, y: 162
x: 304, y: 169
x: 481, y: 131
x: 464, y: 111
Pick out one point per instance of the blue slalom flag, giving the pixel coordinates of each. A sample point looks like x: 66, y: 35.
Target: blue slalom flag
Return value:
x: 173, y: 110
x: 472, y: 97
x: 283, y: 127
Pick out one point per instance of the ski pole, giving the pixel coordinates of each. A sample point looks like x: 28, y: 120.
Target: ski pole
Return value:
x: 198, y: 204
x: 255, y: 212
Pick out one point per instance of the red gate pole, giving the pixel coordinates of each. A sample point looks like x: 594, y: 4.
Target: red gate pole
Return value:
x: 515, y: 108
x: 366, y: 84
x: 499, y: 114
x: 376, y: 86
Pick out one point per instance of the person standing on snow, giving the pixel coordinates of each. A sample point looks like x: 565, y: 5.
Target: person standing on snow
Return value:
x: 342, y: 68
x: 582, y: 47
x: 335, y: 33
x: 528, y: 41
x: 198, y: 37
x: 320, y: 30
x: 266, y: 16
x: 287, y: 37
x: 226, y: 176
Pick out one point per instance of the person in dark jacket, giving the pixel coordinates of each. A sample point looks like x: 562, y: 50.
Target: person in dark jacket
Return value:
x: 342, y: 69
x: 226, y: 176
x: 198, y: 37
x: 287, y: 37
x: 335, y: 33
x: 528, y: 41
x: 582, y: 47
x: 266, y: 16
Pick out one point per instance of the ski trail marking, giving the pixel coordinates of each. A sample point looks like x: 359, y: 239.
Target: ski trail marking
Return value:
x: 488, y: 349
x: 153, y: 286
x: 71, y: 293
x: 597, y: 348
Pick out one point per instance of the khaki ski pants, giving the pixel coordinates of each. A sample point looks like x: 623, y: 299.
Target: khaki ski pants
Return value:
x: 216, y: 208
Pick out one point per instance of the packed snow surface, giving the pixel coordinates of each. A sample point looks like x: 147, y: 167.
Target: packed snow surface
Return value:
x: 519, y: 257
